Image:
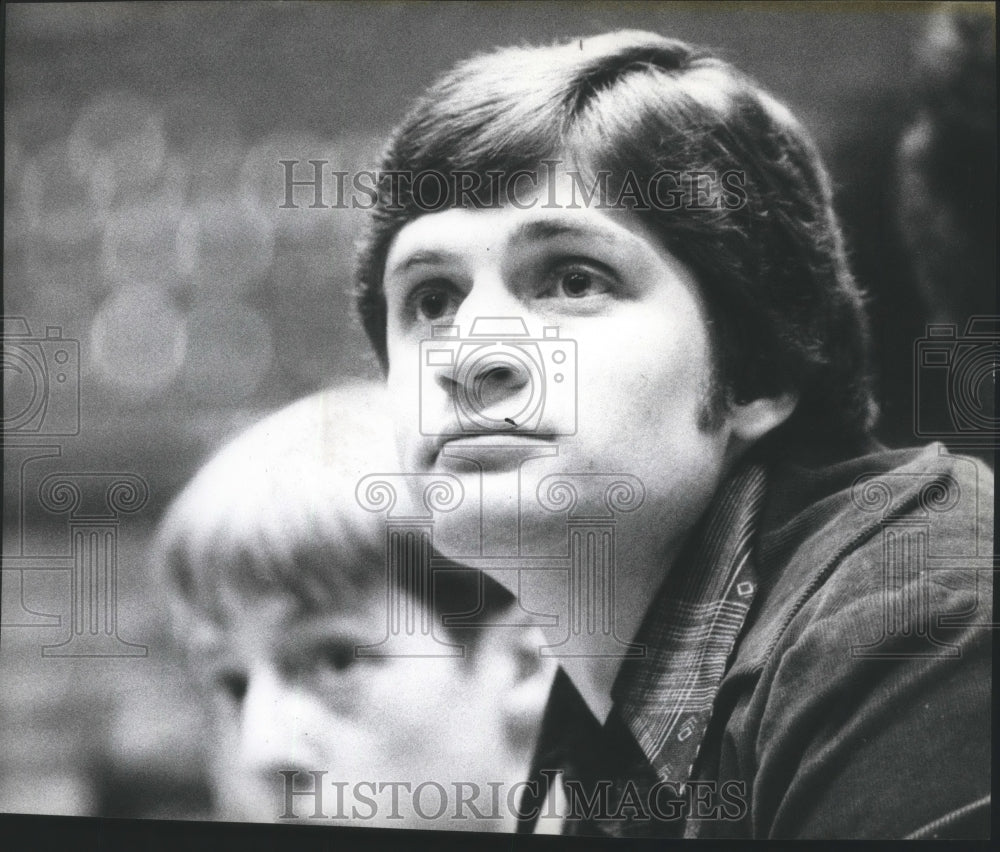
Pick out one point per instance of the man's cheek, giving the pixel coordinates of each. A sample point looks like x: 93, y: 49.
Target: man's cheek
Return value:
x: 406, y: 442
x: 405, y: 402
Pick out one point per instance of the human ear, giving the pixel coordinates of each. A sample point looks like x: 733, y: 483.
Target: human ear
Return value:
x: 751, y: 421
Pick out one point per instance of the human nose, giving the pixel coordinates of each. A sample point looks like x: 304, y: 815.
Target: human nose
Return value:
x: 265, y: 742
x: 486, y: 379
x: 490, y: 296
x: 486, y: 371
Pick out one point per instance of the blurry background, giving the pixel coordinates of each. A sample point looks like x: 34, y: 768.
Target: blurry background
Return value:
x: 141, y: 219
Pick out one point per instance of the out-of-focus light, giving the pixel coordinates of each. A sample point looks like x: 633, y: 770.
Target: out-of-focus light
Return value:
x: 230, y: 349
x: 168, y: 188
x: 60, y: 206
x: 138, y: 341
x: 263, y: 184
x: 204, y: 130
x: 63, y: 283
x: 117, y: 141
x: 141, y: 243
x: 223, y: 246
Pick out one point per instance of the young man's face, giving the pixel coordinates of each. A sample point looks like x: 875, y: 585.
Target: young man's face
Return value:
x: 642, y: 351
x: 288, y: 692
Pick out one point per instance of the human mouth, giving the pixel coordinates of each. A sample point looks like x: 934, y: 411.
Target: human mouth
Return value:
x: 496, y: 451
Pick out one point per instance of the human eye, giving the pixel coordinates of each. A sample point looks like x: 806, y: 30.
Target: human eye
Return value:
x: 335, y: 656
x: 225, y: 687
x: 432, y: 299
x: 220, y: 676
x: 231, y: 684
x: 328, y: 662
x: 579, y: 280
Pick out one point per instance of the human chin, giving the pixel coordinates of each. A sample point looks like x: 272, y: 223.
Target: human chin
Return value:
x: 499, y: 516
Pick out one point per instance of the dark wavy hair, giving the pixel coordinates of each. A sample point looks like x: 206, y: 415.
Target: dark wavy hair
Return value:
x: 785, y: 312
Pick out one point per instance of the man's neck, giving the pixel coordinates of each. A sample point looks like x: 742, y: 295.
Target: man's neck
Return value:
x: 640, y: 570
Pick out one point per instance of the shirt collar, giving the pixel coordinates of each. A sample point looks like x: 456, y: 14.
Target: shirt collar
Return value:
x: 665, y: 699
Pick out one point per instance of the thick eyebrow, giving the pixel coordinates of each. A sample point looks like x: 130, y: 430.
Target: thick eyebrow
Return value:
x: 548, y: 229
x: 533, y: 231
x: 423, y: 258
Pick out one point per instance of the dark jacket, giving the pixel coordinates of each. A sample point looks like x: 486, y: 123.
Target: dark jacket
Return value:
x: 857, y: 703
x: 849, y: 699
